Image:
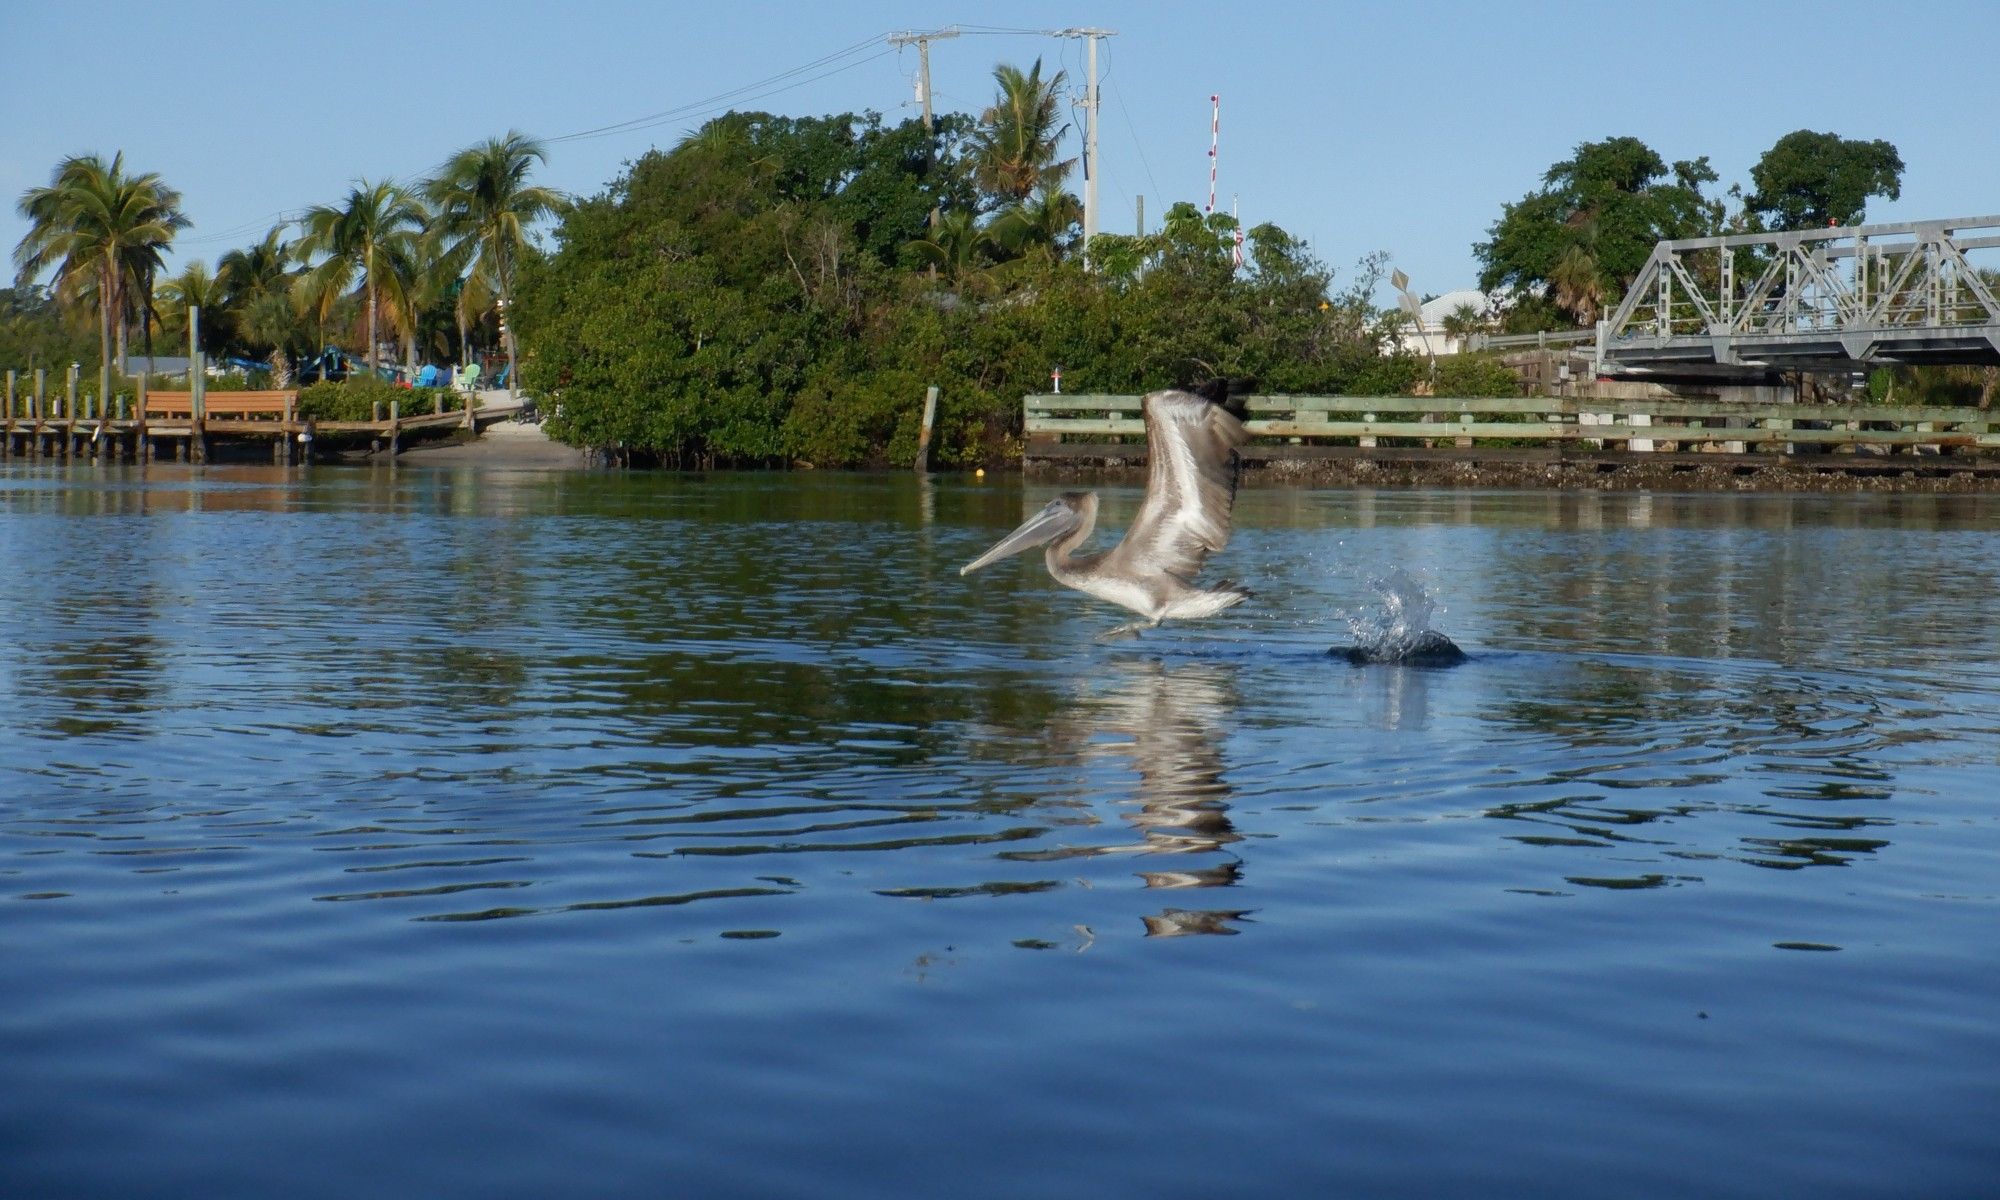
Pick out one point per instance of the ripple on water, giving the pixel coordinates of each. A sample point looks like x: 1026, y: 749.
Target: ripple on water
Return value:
x: 1699, y: 839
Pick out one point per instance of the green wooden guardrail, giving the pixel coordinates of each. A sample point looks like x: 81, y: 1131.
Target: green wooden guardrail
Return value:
x: 1079, y: 418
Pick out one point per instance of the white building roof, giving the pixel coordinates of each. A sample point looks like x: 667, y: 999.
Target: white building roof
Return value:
x: 1436, y: 309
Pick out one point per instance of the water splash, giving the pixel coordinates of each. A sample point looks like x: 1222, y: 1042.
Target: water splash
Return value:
x: 1398, y: 629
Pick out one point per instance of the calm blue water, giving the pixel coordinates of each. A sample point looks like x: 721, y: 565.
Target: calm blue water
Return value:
x: 455, y: 834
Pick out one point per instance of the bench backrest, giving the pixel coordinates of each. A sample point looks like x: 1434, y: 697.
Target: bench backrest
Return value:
x: 221, y: 404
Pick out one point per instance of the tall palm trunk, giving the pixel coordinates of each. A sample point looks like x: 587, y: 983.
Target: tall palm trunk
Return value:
x: 368, y: 270
x: 107, y: 297
x: 506, y: 320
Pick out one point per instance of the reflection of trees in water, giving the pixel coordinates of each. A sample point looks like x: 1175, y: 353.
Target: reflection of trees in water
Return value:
x: 93, y: 686
x: 1808, y: 759
x: 1787, y: 579
x: 1170, y: 724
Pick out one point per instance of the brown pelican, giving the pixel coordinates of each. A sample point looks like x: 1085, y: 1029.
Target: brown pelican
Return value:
x: 1191, y: 441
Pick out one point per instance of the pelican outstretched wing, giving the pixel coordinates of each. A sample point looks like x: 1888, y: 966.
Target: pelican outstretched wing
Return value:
x: 1191, y: 446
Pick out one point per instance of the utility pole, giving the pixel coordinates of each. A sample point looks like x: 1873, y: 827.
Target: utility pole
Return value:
x: 923, y: 41
x: 1092, y: 36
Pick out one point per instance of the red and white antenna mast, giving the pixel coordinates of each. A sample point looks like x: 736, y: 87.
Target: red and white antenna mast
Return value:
x: 1214, y: 144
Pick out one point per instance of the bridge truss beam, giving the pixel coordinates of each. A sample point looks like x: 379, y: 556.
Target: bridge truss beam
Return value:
x: 1820, y: 299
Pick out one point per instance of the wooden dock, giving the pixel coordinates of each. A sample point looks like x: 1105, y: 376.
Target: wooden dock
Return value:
x: 1607, y: 431
x: 184, y: 426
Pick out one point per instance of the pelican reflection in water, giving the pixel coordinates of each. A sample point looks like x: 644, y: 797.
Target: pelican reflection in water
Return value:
x: 1169, y: 723
x: 1191, y: 441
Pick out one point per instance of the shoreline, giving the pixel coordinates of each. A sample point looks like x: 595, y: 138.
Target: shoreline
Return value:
x: 509, y: 444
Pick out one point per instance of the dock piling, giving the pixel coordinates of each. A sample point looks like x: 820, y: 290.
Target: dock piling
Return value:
x: 924, y: 431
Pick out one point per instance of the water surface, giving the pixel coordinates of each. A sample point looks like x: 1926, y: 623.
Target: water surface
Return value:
x: 443, y: 833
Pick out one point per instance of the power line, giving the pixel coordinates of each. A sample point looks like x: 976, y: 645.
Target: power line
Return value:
x: 824, y: 67
x: 769, y: 86
x: 1136, y: 145
x: 234, y: 232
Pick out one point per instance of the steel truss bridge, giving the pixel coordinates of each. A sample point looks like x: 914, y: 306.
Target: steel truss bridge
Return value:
x: 1835, y: 299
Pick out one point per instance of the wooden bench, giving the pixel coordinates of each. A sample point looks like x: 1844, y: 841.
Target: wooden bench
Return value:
x: 240, y: 405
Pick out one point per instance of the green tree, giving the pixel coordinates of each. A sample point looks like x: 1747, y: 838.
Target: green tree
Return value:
x: 1613, y: 200
x: 196, y: 287
x: 365, y: 236
x: 1578, y: 283
x: 1463, y: 323
x: 103, y: 232
x: 1044, y: 226
x: 36, y: 332
x: 485, y: 208
x: 1809, y: 180
x: 733, y: 301
x: 257, y: 282
x: 1020, y: 134
x: 958, y: 247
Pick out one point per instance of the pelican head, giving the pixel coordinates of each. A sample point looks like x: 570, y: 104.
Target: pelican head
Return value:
x: 1062, y: 515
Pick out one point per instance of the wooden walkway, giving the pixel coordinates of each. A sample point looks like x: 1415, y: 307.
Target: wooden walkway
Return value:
x: 1530, y: 429
x: 184, y: 427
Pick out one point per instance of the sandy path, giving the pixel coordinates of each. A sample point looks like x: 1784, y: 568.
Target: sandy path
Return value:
x: 506, y: 444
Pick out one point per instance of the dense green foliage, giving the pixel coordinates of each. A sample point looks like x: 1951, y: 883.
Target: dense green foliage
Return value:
x: 355, y: 399
x: 34, y: 333
x: 1808, y: 180
x: 757, y: 295
x: 1586, y: 232
x: 1945, y: 387
x: 1567, y: 251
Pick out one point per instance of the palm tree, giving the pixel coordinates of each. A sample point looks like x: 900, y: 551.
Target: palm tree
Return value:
x: 195, y: 287
x: 1579, y: 285
x: 259, y: 270
x: 485, y: 206
x: 103, y: 231
x: 1462, y: 323
x: 955, y: 246
x: 258, y: 285
x: 365, y: 234
x: 1018, y: 136
x: 1039, y: 225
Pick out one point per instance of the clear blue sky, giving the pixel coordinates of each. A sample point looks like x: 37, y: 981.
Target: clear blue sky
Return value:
x: 1398, y: 127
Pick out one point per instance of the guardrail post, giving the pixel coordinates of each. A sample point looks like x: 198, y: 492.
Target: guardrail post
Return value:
x: 1640, y: 445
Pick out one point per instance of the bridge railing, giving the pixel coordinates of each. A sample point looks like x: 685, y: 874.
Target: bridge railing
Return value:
x: 1112, y: 426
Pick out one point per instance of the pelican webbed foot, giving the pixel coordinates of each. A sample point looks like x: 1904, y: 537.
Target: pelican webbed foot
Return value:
x: 1125, y: 631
